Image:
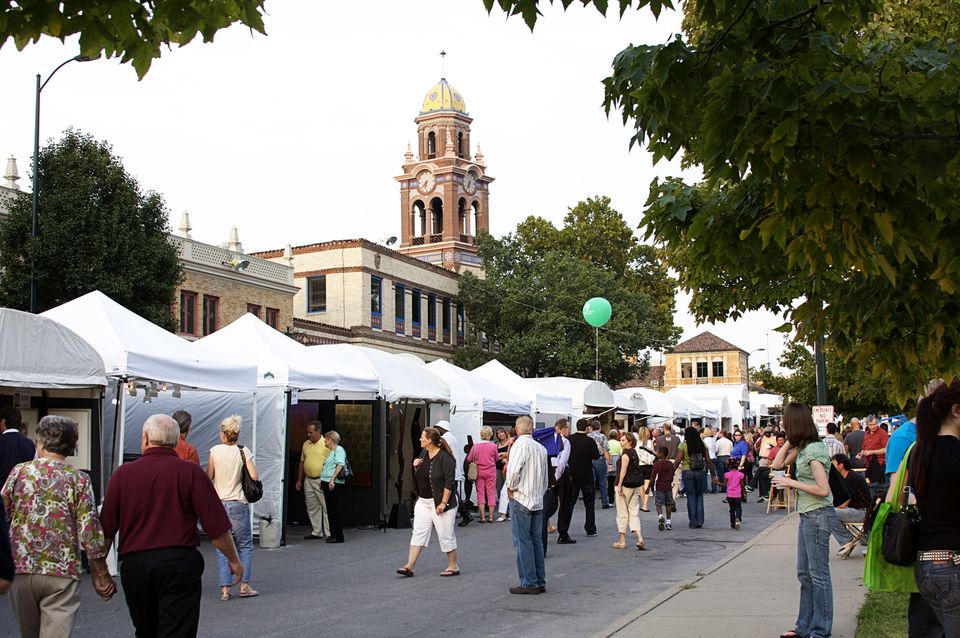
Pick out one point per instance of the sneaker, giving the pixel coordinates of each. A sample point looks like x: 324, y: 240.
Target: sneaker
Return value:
x: 660, y: 524
x: 733, y: 526
x: 762, y: 499
x: 737, y: 525
x: 591, y: 535
x: 749, y: 489
x: 605, y: 507
x: 668, y: 525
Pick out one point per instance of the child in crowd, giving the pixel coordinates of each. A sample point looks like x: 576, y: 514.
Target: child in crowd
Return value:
x: 735, y: 485
x: 661, y: 481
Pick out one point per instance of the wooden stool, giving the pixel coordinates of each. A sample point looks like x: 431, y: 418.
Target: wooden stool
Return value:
x: 782, y: 497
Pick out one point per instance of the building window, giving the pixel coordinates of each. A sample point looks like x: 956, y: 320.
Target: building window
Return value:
x: 376, y: 301
x: 686, y: 370
x: 210, y: 306
x: 701, y: 369
x: 460, y: 322
x: 718, y: 368
x: 415, y: 309
x: 445, y: 320
x: 273, y: 318
x: 399, y: 309
x: 431, y: 145
x: 432, y: 317
x: 188, y: 313
x: 317, y: 294
x: 254, y: 310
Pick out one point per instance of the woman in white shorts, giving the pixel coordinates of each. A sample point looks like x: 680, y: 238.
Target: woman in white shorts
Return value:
x: 433, y: 474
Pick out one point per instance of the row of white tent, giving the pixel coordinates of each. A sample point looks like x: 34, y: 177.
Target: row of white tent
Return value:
x: 251, y: 369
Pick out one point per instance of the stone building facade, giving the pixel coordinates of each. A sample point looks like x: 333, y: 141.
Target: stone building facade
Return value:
x: 356, y: 291
x: 221, y: 283
x: 704, y: 359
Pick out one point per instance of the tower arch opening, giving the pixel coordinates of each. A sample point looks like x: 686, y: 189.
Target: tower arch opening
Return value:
x: 431, y: 145
x: 436, y: 219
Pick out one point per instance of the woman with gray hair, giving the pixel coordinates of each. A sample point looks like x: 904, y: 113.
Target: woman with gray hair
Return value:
x: 225, y: 469
x: 53, y: 517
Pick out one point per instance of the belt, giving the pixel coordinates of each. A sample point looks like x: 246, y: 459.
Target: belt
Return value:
x: 313, y: 478
x: 939, y: 555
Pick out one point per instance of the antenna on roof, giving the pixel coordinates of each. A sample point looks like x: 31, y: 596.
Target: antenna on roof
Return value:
x: 443, y: 65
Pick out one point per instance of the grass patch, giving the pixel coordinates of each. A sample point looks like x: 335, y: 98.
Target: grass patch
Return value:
x: 883, y: 615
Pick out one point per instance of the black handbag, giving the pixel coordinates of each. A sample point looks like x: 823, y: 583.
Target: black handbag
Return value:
x: 634, y: 476
x: 252, y: 490
x: 900, y: 530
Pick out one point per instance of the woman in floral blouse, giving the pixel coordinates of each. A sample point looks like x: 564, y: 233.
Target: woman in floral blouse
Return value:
x: 53, y: 516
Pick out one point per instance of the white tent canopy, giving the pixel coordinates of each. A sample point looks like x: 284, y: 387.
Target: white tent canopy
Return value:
x: 629, y: 401
x: 583, y: 393
x: 656, y: 403
x: 132, y: 346
x: 283, y: 362
x: 761, y: 402
x: 714, y: 400
x: 37, y: 352
x: 399, y: 377
x: 685, y: 408
x: 544, y: 401
x: 469, y: 391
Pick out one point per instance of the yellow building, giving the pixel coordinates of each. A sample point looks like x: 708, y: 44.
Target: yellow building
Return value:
x: 704, y: 359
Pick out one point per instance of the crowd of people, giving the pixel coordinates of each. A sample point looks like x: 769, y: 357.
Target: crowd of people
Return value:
x: 525, y: 476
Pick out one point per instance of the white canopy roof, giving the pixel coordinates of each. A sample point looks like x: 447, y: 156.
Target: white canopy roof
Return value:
x: 282, y: 361
x: 544, y: 401
x: 629, y: 401
x: 685, y: 408
x: 713, y: 400
x: 583, y: 393
x: 761, y: 402
x: 399, y: 377
x: 131, y: 346
x: 36, y: 352
x: 472, y: 392
x: 656, y: 403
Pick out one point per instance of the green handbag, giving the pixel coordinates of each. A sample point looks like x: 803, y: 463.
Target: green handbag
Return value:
x: 878, y: 574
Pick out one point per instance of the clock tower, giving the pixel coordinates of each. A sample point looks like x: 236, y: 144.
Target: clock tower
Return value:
x: 444, y: 192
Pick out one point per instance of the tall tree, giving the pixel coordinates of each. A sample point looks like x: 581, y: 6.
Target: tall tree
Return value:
x: 134, y: 31
x: 98, y: 231
x: 536, y: 281
x: 830, y: 149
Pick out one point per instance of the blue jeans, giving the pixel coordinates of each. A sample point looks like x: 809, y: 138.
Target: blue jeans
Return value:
x: 846, y: 515
x: 694, y: 485
x: 600, y: 480
x: 939, y: 584
x: 815, y: 618
x: 239, y: 515
x: 527, y: 527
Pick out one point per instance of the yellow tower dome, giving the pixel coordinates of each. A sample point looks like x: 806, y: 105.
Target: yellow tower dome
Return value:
x: 443, y: 97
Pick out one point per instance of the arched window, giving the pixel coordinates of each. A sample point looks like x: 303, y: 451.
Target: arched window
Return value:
x: 419, y: 219
x: 477, y: 226
x: 436, y: 216
x: 460, y: 144
x: 462, y: 217
x: 431, y: 144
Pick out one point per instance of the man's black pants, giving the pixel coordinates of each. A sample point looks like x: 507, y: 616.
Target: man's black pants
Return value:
x: 162, y: 588
x: 550, y: 505
x: 568, y: 498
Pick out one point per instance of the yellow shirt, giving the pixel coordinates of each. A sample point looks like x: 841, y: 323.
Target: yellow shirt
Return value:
x: 313, y: 456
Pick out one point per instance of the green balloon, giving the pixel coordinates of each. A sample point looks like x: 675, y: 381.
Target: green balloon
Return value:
x: 597, y: 311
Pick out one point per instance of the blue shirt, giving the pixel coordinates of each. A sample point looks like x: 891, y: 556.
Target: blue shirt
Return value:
x: 740, y: 449
x: 898, y: 443
x: 335, y: 458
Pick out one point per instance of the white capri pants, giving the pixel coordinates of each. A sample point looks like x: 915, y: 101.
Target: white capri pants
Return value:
x: 425, y: 518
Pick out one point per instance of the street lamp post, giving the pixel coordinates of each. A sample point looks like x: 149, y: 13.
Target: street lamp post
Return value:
x: 748, y: 378
x: 36, y: 186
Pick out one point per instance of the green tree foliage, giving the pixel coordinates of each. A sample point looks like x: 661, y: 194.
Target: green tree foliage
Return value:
x: 830, y: 146
x: 133, y: 30
x: 537, y: 280
x: 851, y: 390
x: 98, y: 231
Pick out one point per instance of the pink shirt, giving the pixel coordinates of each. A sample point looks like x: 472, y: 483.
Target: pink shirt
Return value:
x: 485, y: 454
x: 733, y: 479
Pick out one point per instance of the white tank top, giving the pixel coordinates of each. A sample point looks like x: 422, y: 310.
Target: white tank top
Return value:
x: 226, y: 466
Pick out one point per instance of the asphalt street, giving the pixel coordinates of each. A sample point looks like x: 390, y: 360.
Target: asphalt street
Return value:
x: 311, y: 588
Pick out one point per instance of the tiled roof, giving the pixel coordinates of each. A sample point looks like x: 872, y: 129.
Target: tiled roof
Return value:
x: 652, y: 379
x: 706, y: 342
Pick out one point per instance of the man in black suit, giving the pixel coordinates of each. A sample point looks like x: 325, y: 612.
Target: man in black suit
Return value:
x: 578, y: 479
x: 14, y: 447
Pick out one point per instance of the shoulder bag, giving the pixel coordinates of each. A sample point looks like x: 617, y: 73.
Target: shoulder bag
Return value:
x: 633, y: 477
x: 900, y: 533
x: 878, y: 573
x: 252, y: 490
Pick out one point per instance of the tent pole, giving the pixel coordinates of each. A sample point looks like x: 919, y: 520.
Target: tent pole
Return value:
x: 383, y: 465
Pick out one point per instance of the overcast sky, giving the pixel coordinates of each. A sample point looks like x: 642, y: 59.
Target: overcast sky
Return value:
x: 296, y: 136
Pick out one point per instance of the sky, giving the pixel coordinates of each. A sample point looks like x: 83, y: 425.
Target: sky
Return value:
x: 296, y: 136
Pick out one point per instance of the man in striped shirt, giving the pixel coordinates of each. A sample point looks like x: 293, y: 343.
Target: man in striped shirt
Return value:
x: 526, y: 482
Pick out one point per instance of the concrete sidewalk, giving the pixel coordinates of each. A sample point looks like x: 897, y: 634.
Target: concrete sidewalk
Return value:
x: 752, y: 592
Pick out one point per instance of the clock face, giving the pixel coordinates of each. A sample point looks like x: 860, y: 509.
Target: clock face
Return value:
x: 470, y: 183
x: 426, y: 182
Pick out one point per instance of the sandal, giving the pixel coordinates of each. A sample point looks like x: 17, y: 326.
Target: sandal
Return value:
x: 225, y: 594
x: 450, y: 572
x: 641, y: 546
x: 791, y: 633
x: 404, y: 571
x: 619, y: 545
x: 503, y: 518
x: 249, y: 592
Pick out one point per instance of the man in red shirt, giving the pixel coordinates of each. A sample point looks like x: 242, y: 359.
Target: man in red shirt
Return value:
x: 184, y: 450
x: 155, y: 502
x: 874, y: 451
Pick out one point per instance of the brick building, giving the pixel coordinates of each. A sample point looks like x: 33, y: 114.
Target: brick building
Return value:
x: 221, y: 283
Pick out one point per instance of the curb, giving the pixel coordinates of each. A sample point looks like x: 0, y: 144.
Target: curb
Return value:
x: 624, y: 621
